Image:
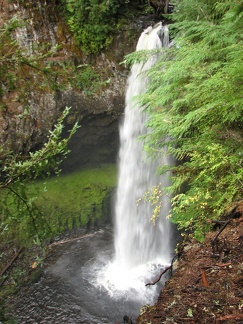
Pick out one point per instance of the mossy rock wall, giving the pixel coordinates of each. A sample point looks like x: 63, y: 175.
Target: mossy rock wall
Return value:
x: 78, y: 201
x: 95, y: 88
x: 82, y: 199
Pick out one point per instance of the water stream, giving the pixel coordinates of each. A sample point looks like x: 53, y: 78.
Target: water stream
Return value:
x: 94, y: 280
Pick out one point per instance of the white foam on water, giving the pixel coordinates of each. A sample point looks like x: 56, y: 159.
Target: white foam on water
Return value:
x: 129, y: 284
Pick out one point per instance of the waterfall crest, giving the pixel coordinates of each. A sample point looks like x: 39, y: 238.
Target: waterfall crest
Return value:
x: 137, y: 240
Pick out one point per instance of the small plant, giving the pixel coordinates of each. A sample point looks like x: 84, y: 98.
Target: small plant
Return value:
x: 38, y: 262
x: 189, y: 312
x: 86, y: 79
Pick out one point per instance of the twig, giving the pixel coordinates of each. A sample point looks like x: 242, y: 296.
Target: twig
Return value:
x: 11, y: 262
x: 163, y: 272
x: 219, y: 232
x: 230, y: 318
x: 217, y: 266
x: 186, y: 319
x: 217, y: 221
x: 223, y: 264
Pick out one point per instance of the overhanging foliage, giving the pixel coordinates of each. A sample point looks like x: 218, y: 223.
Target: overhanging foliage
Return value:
x: 21, y: 219
x: 195, y: 103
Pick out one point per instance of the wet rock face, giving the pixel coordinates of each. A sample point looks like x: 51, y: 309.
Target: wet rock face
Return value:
x: 97, y: 139
x: 25, y: 127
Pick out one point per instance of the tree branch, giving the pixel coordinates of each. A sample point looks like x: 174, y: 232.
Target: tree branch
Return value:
x: 11, y: 262
x: 217, y: 235
x: 157, y: 280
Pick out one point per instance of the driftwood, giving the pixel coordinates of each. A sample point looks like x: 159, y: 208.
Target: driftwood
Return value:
x: 72, y: 240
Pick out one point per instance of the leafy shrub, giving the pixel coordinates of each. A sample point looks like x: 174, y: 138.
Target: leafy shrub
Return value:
x: 94, y: 22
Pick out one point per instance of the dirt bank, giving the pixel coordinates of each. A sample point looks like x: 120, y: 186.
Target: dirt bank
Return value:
x: 207, y: 286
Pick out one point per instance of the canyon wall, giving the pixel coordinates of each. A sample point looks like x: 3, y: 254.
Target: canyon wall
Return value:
x: 25, y: 126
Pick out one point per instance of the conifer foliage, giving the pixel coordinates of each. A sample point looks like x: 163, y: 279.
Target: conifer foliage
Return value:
x: 195, y: 103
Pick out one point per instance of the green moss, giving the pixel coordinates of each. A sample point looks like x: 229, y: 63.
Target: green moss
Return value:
x: 57, y: 205
x: 73, y: 200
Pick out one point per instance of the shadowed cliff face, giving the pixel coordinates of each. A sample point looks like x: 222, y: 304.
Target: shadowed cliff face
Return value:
x: 97, y: 140
x: 25, y: 121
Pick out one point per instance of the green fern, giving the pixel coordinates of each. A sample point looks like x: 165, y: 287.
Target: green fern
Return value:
x: 196, y: 101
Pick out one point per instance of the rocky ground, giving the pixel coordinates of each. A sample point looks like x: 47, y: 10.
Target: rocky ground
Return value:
x: 207, y: 286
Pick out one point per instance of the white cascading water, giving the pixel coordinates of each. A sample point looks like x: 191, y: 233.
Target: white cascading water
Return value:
x: 137, y: 240
x: 140, y: 246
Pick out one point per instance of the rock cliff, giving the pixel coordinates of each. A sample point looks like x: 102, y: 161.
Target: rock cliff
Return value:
x: 24, y: 125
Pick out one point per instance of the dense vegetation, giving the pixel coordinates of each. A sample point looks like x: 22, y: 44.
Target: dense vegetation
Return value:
x: 195, y: 109
x: 94, y: 22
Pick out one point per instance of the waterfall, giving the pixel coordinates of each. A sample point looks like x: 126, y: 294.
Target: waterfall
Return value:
x: 141, y: 248
x: 137, y: 240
